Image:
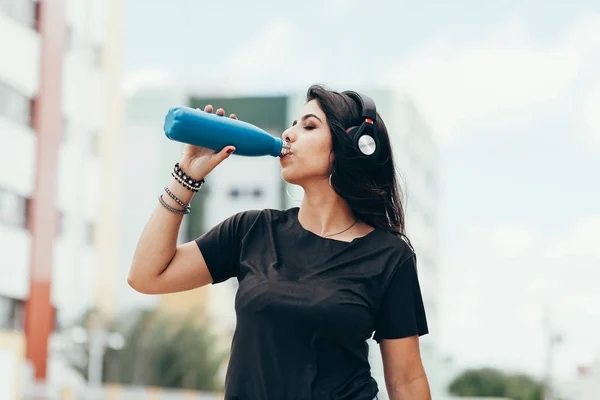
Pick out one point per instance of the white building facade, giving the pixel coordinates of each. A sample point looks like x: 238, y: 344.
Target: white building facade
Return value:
x: 59, y: 96
x: 20, y: 46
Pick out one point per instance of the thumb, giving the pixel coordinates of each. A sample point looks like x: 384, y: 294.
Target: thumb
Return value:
x: 225, y: 153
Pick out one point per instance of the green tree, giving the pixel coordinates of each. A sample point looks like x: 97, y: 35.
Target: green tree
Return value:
x: 523, y: 387
x: 160, y: 350
x: 490, y: 382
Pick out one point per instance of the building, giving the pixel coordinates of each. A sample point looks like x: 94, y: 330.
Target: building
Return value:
x: 59, y: 112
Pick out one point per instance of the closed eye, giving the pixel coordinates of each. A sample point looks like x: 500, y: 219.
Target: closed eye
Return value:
x: 306, y: 118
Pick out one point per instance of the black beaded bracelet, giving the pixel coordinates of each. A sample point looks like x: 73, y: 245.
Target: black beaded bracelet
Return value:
x: 184, y: 183
x: 188, y: 182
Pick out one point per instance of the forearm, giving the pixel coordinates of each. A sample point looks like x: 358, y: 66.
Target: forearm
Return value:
x: 415, y: 389
x: 158, y: 242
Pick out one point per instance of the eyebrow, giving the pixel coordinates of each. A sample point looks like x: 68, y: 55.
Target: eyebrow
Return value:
x: 307, y: 116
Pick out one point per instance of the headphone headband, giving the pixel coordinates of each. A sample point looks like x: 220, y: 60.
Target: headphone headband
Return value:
x: 367, y: 104
x: 364, y: 137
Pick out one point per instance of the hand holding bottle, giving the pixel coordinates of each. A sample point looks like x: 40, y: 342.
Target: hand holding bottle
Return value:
x: 198, y: 161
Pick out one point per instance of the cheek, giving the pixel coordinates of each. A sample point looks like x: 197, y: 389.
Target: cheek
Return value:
x: 317, y: 156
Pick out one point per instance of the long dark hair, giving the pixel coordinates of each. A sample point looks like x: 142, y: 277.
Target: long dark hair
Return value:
x: 370, y: 188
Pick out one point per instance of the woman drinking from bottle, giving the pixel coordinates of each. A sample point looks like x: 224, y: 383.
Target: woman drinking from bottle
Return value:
x: 316, y: 281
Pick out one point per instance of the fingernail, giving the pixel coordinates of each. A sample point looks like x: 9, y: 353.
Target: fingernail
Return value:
x: 230, y: 151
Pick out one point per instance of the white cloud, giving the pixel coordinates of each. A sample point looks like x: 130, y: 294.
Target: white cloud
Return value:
x: 504, y: 240
x: 335, y: 8
x: 268, y: 61
x: 589, y: 117
x: 583, y: 39
x: 148, y: 78
x: 511, y: 241
x: 456, y: 84
x: 582, y: 240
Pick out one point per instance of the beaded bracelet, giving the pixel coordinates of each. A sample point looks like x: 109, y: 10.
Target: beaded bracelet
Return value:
x: 177, y: 199
x: 172, y: 209
x: 187, y: 182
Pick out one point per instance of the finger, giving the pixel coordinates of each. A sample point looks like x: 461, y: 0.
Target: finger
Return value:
x: 233, y: 116
x: 220, y: 112
x: 208, y: 108
x: 224, y: 153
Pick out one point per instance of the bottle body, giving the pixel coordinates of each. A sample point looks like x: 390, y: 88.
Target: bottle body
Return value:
x: 199, y: 128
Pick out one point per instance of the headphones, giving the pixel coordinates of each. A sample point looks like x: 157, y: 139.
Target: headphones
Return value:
x: 364, y: 137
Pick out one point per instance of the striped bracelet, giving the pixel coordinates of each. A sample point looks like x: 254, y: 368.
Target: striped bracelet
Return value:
x: 172, y: 209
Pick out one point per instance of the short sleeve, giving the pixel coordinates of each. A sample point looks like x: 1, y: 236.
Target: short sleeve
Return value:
x: 402, y: 312
x: 220, y: 246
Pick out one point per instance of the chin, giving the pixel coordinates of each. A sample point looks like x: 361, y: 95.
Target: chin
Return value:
x: 291, y: 176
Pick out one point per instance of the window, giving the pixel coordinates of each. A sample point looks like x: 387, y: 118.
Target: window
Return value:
x: 94, y: 143
x: 23, y: 11
x: 13, y: 209
x: 12, y: 314
x: 70, y: 38
x: 14, y: 105
x: 90, y: 233
x: 61, y: 226
x: 66, y: 129
x: 237, y: 193
x: 97, y: 56
x: 36, y: 15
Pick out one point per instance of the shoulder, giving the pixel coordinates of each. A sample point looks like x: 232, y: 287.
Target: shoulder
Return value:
x: 393, y: 253
x: 395, y: 244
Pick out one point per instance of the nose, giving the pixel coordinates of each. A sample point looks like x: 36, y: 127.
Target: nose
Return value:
x: 287, y: 136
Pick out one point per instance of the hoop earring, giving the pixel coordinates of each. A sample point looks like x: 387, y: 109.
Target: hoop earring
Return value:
x: 330, y: 179
x: 287, y: 191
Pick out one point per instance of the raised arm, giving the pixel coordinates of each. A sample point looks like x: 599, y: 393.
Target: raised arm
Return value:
x: 159, y: 265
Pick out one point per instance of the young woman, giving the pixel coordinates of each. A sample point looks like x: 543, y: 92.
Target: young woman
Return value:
x: 315, y: 282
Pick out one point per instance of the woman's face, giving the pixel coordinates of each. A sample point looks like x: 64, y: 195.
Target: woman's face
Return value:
x: 310, y: 155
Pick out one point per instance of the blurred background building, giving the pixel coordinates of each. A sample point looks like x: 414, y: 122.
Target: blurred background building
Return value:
x: 60, y: 111
x: 20, y: 46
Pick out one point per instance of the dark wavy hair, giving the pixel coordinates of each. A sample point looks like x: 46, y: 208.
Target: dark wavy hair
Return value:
x: 370, y: 188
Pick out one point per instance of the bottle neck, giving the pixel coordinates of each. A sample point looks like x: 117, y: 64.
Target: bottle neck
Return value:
x: 285, y: 148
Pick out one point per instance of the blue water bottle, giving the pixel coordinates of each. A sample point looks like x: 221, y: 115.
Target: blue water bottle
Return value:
x: 199, y: 128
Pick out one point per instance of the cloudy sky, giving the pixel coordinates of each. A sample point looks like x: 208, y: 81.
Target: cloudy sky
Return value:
x: 512, y: 91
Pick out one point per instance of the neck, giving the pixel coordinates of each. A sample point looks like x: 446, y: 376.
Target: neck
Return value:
x: 323, y: 211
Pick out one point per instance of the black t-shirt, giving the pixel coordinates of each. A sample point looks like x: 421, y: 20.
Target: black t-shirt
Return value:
x: 306, y: 305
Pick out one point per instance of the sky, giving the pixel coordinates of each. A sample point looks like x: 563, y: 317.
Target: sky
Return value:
x: 512, y: 93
